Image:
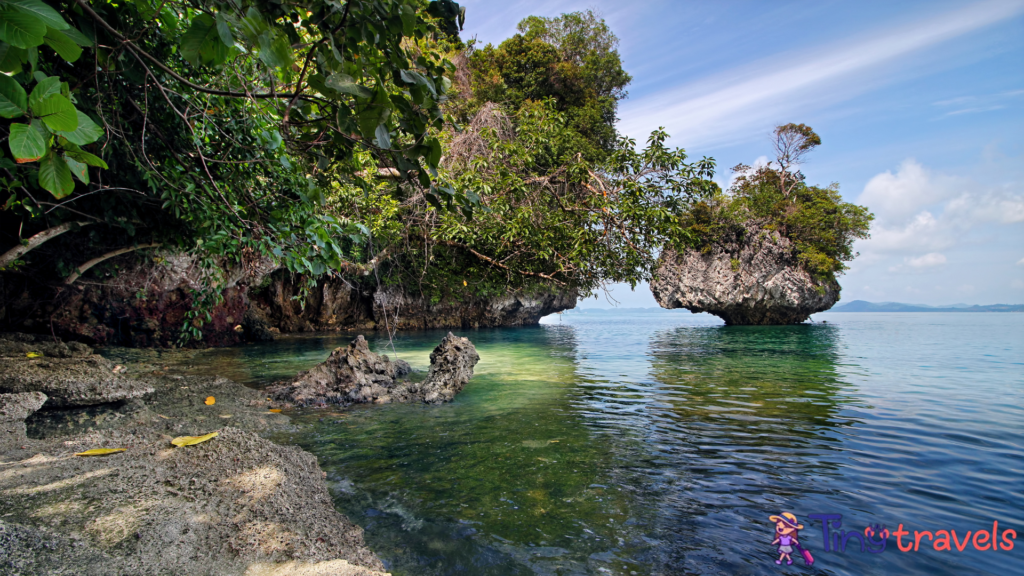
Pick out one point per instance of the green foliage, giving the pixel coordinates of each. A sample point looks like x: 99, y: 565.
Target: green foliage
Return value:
x: 820, y: 224
x: 570, y: 60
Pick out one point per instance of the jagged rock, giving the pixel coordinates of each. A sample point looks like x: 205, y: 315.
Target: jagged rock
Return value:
x: 18, y: 345
x: 14, y: 408
x: 349, y: 375
x: 355, y: 375
x: 69, y: 381
x: 256, y: 327
x: 451, y: 367
x: 756, y: 279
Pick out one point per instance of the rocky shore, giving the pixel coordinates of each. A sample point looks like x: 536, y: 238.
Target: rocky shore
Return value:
x: 235, y: 504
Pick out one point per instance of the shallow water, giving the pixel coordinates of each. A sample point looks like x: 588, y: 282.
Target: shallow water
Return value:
x: 659, y: 442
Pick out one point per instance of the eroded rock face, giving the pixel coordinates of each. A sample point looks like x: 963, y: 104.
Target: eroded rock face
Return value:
x: 451, y: 367
x: 355, y: 375
x: 338, y: 304
x: 69, y: 381
x: 755, y: 280
x: 14, y: 408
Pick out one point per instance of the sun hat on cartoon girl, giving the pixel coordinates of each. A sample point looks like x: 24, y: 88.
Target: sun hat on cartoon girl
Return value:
x: 789, y: 519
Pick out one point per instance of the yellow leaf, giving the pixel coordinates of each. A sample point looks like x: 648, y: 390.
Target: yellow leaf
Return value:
x: 210, y: 400
x: 190, y: 440
x: 464, y: 283
x: 100, y: 451
x: 33, y: 354
x: 275, y: 410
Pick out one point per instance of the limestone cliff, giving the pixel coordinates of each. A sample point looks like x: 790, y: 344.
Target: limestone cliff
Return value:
x: 755, y: 278
x: 148, y: 301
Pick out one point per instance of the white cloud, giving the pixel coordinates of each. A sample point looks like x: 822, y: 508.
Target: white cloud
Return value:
x: 749, y: 99
x: 927, y: 261
x: 930, y: 260
x: 1018, y: 284
x: 918, y: 211
x: 1020, y: 262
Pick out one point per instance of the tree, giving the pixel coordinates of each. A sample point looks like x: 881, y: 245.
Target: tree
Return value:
x: 572, y: 60
x: 791, y: 142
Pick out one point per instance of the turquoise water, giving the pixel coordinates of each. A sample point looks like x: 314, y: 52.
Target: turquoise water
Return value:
x: 659, y: 442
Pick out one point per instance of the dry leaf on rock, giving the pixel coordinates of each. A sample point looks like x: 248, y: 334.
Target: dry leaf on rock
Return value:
x: 210, y: 400
x: 100, y: 451
x: 190, y: 440
x: 275, y: 410
x: 33, y: 354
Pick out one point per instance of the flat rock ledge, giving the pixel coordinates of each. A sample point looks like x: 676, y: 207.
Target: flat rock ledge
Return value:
x: 236, y: 505
x: 68, y: 374
x: 755, y: 280
x: 355, y: 375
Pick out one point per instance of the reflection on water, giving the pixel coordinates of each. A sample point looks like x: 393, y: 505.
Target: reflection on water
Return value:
x: 660, y: 442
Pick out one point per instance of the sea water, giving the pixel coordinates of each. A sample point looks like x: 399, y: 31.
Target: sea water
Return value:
x: 660, y: 442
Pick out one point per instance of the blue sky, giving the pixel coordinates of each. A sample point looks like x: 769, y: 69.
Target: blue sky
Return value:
x: 920, y: 106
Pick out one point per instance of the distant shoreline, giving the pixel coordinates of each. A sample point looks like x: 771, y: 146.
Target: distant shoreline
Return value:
x: 854, y: 306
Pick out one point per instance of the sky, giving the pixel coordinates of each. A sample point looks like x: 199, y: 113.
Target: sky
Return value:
x: 919, y: 105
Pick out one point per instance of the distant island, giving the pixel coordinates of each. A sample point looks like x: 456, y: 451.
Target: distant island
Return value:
x: 862, y: 306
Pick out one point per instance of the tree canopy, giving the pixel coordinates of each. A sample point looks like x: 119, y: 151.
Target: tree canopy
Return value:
x: 353, y: 138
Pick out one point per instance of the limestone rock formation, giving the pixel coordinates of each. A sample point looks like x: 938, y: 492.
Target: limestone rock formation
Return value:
x: 15, y: 344
x: 337, y: 304
x: 14, y: 408
x: 256, y: 327
x: 75, y: 381
x: 756, y: 279
x: 355, y: 375
x: 451, y: 367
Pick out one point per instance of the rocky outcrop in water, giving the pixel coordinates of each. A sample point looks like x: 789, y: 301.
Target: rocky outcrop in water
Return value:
x: 754, y: 279
x: 355, y: 375
x: 72, y: 377
x: 451, y: 367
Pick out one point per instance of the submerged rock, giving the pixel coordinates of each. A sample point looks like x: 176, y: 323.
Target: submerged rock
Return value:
x: 355, y: 375
x: 69, y: 381
x: 756, y: 279
x: 14, y: 409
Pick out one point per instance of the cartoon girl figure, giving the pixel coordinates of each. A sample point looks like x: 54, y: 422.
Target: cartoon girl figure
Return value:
x: 786, y: 535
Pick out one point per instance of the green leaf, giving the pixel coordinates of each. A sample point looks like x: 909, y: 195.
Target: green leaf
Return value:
x: 347, y: 85
x: 78, y: 38
x: 62, y: 45
x: 383, y: 136
x: 201, y: 43
x: 27, y: 144
x: 252, y: 25
x: 21, y: 29
x: 224, y: 31
x: 11, y: 58
x: 47, y: 86
x: 86, y: 158
x: 275, y: 51
x: 40, y: 10
x: 57, y: 112
x: 79, y: 169
x: 86, y: 133
x: 435, y: 153
x: 13, y: 100
x: 55, y: 176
